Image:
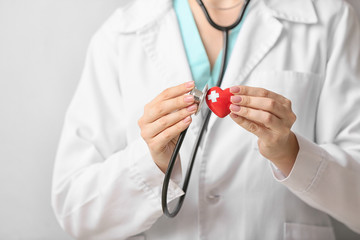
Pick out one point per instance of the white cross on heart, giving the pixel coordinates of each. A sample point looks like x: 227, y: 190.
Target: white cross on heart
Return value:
x: 213, y: 96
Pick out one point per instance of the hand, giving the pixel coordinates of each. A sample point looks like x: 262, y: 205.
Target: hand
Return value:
x: 269, y: 116
x: 164, y: 119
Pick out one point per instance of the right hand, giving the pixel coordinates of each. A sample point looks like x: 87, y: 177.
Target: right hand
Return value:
x: 164, y: 118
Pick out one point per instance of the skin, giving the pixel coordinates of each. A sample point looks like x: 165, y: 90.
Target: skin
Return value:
x: 211, y: 37
x: 266, y: 114
x: 165, y: 117
x: 269, y: 116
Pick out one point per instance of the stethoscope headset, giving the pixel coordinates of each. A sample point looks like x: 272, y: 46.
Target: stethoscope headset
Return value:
x: 199, y: 97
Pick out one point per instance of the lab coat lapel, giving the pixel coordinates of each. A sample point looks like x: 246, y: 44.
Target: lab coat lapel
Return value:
x: 259, y: 33
x: 163, y: 45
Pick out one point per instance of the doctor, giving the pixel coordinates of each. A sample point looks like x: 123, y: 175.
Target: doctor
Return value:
x: 286, y: 159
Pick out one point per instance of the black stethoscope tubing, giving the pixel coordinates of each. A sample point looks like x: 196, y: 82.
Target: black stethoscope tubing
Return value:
x: 225, y: 30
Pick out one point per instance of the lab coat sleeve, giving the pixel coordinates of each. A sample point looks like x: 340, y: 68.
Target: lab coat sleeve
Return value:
x: 103, y: 186
x: 326, y: 174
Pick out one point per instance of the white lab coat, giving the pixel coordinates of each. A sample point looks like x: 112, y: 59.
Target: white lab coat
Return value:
x: 106, y: 185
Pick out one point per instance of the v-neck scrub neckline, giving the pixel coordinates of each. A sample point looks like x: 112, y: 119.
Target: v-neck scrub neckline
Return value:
x: 195, y: 51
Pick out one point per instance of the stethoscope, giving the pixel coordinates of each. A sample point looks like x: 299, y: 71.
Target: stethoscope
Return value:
x: 199, y: 99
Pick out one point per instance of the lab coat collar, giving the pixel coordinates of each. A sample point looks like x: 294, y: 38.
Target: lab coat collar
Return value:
x: 145, y: 17
x: 301, y: 11
x: 139, y: 14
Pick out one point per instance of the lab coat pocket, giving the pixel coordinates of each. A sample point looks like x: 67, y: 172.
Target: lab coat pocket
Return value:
x: 295, y: 231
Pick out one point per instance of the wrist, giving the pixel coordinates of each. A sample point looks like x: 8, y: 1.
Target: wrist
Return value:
x: 285, y: 162
x: 162, y: 166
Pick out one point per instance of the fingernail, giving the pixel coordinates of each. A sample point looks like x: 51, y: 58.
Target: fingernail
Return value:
x: 189, y: 98
x: 235, y: 99
x: 187, y: 120
x: 191, y: 108
x: 234, y: 108
x: 190, y: 84
x: 234, y: 89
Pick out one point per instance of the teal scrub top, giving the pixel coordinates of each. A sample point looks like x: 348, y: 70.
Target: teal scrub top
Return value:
x: 195, y: 50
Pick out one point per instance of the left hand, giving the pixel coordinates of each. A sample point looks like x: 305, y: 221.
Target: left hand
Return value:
x: 269, y: 116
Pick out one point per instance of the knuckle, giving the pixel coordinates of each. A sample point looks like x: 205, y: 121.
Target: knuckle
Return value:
x: 180, y: 101
x: 243, y: 90
x: 148, y: 110
x: 246, y: 100
x: 288, y: 103
x: 163, y: 121
x: 263, y: 92
x: 150, y: 114
x: 158, y: 110
x: 240, y: 120
x: 244, y: 111
x: 183, y: 114
x: 271, y: 104
x: 140, y: 122
x: 144, y: 134
x: 253, y: 127
x: 179, y: 127
x: 268, y: 118
x: 293, y: 117
x: 166, y: 136
x: 165, y: 93
x: 147, y: 107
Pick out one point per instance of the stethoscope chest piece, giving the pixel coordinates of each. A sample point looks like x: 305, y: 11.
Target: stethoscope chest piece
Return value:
x: 199, y: 97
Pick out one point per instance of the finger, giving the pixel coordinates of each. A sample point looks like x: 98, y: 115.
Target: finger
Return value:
x: 176, y: 91
x: 162, y: 139
x: 169, y: 120
x: 250, y: 126
x: 257, y: 92
x: 261, y: 117
x: 266, y: 104
x: 155, y: 111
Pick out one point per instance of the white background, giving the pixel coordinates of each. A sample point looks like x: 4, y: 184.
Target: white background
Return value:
x: 42, y: 49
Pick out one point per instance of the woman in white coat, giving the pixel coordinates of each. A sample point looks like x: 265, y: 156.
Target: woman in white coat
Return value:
x: 260, y: 173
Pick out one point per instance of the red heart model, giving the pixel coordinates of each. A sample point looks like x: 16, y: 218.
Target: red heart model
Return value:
x: 218, y: 101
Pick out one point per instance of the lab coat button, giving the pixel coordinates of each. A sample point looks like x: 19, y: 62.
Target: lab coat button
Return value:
x: 213, y: 198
